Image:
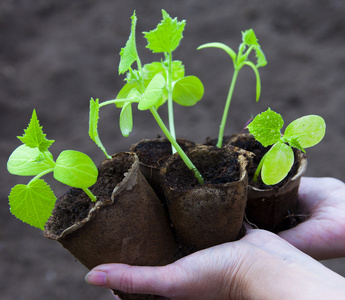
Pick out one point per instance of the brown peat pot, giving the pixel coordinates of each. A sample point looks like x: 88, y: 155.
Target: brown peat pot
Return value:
x: 274, y: 208
x: 126, y: 225
x: 212, y: 213
x: 153, y: 153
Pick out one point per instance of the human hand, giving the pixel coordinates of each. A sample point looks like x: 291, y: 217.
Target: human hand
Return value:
x: 322, y: 235
x: 259, y: 266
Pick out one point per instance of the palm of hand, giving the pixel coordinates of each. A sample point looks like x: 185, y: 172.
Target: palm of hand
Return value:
x: 322, y: 235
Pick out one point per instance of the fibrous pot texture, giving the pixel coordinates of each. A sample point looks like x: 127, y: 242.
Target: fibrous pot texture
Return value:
x: 273, y: 208
x: 212, y: 213
x: 126, y: 225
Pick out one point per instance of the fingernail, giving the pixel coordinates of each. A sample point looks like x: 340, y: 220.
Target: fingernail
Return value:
x: 98, y: 278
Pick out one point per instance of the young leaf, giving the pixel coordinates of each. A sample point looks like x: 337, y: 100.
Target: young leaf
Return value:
x: 188, y: 91
x: 32, y: 203
x: 277, y: 163
x: 222, y: 46
x: 75, y: 169
x: 128, y: 54
x: 124, y: 92
x: 307, y: 130
x: 33, y: 135
x: 249, y: 38
x: 266, y: 127
x: 25, y: 161
x: 126, y: 119
x: 153, y: 92
x: 151, y: 69
x: 166, y: 36
x: 93, y: 125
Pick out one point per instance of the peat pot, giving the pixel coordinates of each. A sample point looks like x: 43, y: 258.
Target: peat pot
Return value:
x: 274, y: 208
x: 153, y: 153
x: 212, y: 213
x: 126, y: 225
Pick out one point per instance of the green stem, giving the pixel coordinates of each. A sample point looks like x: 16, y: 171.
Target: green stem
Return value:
x: 258, y: 169
x: 170, y: 100
x: 89, y: 193
x: 226, y: 109
x: 114, y: 101
x: 38, y: 176
x: 183, y: 155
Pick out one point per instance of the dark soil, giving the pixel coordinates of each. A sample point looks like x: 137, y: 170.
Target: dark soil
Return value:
x: 156, y: 152
x: 75, y: 205
x: 57, y: 54
x: 215, y: 167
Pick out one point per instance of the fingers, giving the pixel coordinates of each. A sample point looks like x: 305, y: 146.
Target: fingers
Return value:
x: 133, y: 279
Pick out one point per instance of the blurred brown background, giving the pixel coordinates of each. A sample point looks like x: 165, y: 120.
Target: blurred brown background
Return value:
x: 57, y: 54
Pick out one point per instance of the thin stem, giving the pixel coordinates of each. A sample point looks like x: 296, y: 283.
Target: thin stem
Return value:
x: 115, y: 101
x: 183, y: 155
x: 170, y: 100
x: 226, y: 109
x: 89, y: 193
x: 258, y: 169
x: 38, y: 176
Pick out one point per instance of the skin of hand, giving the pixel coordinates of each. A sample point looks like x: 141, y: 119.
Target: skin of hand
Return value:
x: 322, y: 235
x: 259, y: 266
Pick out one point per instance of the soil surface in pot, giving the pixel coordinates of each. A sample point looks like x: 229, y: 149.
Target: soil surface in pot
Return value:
x: 214, y: 172
x: 156, y: 152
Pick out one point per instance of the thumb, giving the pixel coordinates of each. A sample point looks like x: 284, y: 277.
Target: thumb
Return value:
x: 139, y: 280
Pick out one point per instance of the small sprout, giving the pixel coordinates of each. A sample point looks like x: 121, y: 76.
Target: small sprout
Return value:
x: 302, y: 133
x: 34, y: 202
x: 249, y: 43
x: 152, y: 85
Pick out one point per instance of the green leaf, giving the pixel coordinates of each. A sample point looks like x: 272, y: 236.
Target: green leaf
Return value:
x: 126, y: 89
x: 266, y: 127
x: 260, y: 57
x: 166, y: 36
x: 26, y: 161
x: 222, y: 46
x: 178, y: 70
x: 308, y: 130
x: 293, y: 142
x: 126, y: 119
x: 188, y: 91
x: 93, y: 125
x: 128, y: 54
x: 75, y: 169
x: 153, y: 93
x: 249, y: 38
x: 151, y: 69
x: 33, y: 135
x: 32, y: 203
x: 277, y: 164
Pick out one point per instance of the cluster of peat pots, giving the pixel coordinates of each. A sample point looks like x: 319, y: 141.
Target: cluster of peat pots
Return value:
x: 152, y: 210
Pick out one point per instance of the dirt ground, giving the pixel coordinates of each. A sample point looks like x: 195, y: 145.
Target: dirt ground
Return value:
x: 57, y: 54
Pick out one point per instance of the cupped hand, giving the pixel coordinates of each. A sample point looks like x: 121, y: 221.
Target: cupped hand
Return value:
x: 259, y: 266
x: 322, y: 235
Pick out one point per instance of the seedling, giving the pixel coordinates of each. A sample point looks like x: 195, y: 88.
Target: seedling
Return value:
x: 302, y: 133
x: 153, y: 84
x: 34, y: 202
x: 241, y: 59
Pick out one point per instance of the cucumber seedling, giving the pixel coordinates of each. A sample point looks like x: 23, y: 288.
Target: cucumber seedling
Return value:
x: 241, y: 59
x: 302, y: 133
x: 33, y: 203
x: 151, y: 85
